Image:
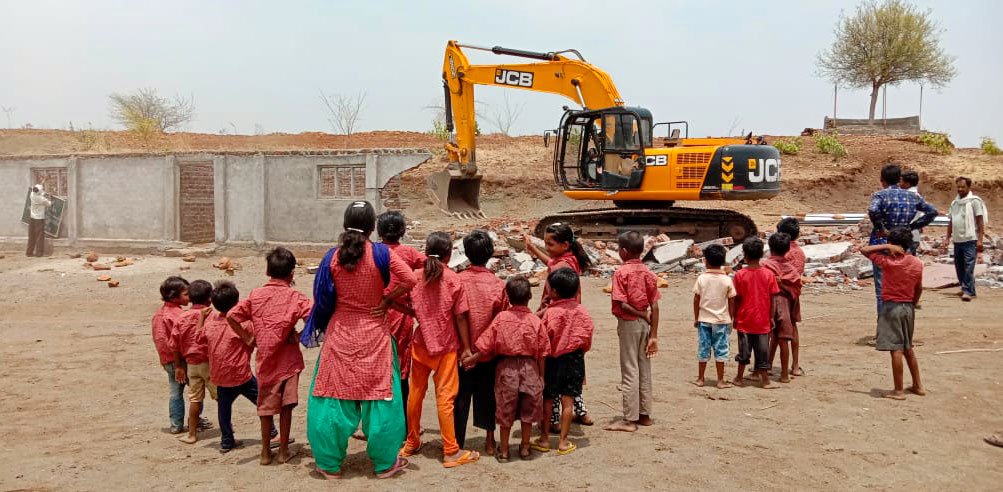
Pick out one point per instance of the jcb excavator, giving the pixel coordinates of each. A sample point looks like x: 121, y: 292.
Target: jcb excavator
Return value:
x: 606, y: 151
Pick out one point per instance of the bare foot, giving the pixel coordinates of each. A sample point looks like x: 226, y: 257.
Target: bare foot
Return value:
x: 785, y: 379
x: 188, y: 439
x: 584, y: 420
x: 738, y: 382
x: 917, y: 390
x: 895, y: 395
x: 722, y: 384
x: 284, y: 457
x: 489, y: 448
x: 769, y: 385
x: 359, y: 435
x: 699, y: 382
x: 266, y: 458
x: 621, y: 426
x: 797, y: 372
x: 644, y: 420
x: 328, y: 475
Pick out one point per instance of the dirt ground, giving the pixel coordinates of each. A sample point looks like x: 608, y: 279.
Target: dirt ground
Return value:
x: 84, y: 408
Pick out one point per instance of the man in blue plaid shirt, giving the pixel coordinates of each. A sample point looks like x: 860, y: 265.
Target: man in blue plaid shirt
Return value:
x: 895, y: 207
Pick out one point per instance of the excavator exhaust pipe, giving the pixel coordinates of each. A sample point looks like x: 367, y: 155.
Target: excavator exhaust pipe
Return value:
x: 456, y: 195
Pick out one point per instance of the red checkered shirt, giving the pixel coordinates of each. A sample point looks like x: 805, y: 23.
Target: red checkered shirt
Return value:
x: 186, y: 336
x: 567, y: 260
x: 436, y: 305
x: 356, y: 361
x: 229, y: 356
x: 569, y: 327
x: 163, y: 330
x: 273, y: 311
x: 402, y: 325
x: 485, y: 297
x: 516, y: 332
x: 634, y: 284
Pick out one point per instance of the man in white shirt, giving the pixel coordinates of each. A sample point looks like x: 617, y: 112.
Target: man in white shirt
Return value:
x: 36, y: 224
x: 966, y: 230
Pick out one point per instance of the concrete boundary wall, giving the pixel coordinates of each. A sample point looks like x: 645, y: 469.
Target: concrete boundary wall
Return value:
x: 909, y: 125
x: 257, y: 198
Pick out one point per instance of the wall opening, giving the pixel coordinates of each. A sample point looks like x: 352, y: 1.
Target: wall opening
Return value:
x: 197, y: 203
x: 341, y: 182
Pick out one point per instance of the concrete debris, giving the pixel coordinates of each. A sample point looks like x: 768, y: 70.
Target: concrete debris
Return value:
x: 458, y: 261
x: 113, y: 283
x: 735, y: 256
x: 100, y: 266
x: 827, y: 252
x: 696, y: 250
x: 104, y: 278
x: 312, y: 270
x: 92, y: 257
x: 188, y: 258
x: 672, y: 251
x: 183, y: 252
x: 124, y: 262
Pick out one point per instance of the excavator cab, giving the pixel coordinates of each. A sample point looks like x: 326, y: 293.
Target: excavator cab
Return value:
x: 602, y: 149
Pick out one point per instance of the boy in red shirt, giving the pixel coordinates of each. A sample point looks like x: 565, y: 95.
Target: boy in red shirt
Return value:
x: 273, y: 311
x: 755, y: 287
x: 784, y: 313
x: 195, y: 353
x: 635, y: 307
x: 520, y: 341
x: 569, y: 328
x: 174, y: 293
x: 486, y: 298
x: 901, y: 289
x: 796, y: 258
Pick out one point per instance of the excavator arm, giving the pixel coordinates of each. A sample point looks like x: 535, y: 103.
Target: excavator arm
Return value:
x: 457, y: 189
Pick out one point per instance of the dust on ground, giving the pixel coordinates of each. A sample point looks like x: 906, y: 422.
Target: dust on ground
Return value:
x: 84, y: 401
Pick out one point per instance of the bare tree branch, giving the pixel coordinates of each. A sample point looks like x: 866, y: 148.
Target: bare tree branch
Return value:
x: 146, y: 109
x: 344, y: 111
x: 506, y: 115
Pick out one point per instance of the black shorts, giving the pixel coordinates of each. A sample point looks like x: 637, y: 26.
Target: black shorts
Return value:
x: 564, y: 375
x: 758, y: 344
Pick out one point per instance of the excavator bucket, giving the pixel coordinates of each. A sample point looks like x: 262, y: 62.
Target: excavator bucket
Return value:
x: 455, y: 194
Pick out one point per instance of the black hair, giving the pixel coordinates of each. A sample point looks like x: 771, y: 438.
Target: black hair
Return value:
x: 281, y: 263
x: 359, y: 222
x: 199, y: 292
x: 478, y: 247
x: 780, y: 244
x: 968, y: 181
x: 715, y: 255
x: 563, y: 233
x: 900, y: 236
x: 518, y: 290
x: 172, y: 287
x: 891, y: 174
x: 910, y: 178
x: 753, y: 248
x: 631, y: 241
x: 438, y: 248
x: 564, y: 281
x: 790, y: 226
x: 391, y: 226
x: 224, y: 296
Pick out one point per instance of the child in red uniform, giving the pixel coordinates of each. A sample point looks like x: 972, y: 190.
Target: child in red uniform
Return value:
x: 901, y: 290
x: 486, y: 298
x: 784, y: 303
x: 755, y: 287
x: 635, y: 307
x: 796, y: 258
x: 174, y: 293
x: 195, y: 354
x: 229, y: 361
x: 561, y: 251
x: 391, y: 227
x: 569, y: 328
x: 273, y: 311
x: 519, y: 340
x: 440, y: 306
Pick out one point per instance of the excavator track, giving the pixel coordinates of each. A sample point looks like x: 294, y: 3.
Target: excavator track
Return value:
x: 678, y: 223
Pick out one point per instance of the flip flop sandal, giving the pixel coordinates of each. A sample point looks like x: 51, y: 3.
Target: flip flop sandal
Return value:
x: 274, y: 444
x: 501, y: 459
x: 465, y: 459
x: 204, y: 424
x: 539, y: 447
x: 571, y: 449
x: 236, y: 445
x: 407, y: 453
x: 528, y: 455
x: 395, y: 470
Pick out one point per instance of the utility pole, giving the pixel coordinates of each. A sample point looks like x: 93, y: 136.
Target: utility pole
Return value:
x: 884, y: 106
x: 835, y: 95
x: 10, y: 112
x: 921, y: 106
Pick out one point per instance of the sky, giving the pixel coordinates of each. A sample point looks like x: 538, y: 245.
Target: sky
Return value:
x: 724, y: 66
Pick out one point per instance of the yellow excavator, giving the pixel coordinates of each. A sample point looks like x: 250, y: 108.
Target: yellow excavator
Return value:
x: 606, y: 151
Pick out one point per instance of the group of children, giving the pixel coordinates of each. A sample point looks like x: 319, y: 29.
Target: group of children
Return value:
x: 483, y: 347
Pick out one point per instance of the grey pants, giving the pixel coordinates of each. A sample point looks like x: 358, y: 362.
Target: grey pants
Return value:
x: 635, y: 368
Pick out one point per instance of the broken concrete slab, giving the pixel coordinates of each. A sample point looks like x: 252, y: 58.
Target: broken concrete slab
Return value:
x: 735, y: 256
x: 672, y: 251
x: 519, y: 258
x: 827, y: 252
x: 939, y: 276
x: 458, y: 261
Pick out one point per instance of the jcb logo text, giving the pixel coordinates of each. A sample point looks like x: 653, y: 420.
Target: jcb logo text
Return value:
x: 761, y: 170
x: 511, y: 77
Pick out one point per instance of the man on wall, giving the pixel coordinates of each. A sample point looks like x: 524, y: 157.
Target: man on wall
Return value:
x: 36, y: 224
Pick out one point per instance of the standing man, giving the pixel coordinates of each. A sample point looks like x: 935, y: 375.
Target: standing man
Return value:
x: 894, y: 207
x: 36, y: 225
x: 966, y: 230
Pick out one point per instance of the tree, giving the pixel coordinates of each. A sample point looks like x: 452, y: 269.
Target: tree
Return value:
x: 885, y: 44
x: 144, y: 111
x: 344, y: 111
x: 505, y: 116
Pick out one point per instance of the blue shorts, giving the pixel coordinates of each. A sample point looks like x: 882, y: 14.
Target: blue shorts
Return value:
x: 713, y: 336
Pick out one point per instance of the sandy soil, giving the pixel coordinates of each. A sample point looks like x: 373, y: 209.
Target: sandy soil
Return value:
x: 84, y: 404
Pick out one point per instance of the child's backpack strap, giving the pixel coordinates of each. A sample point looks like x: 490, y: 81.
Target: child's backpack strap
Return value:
x: 324, y: 300
x: 381, y: 255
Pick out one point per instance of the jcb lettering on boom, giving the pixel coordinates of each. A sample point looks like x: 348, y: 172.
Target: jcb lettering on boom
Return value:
x: 512, y: 77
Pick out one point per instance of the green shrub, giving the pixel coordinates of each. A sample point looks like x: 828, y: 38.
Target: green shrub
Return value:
x: 829, y: 144
x: 788, y: 146
x: 939, y: 142
x: 439, y: 130
x: 989, y: 146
